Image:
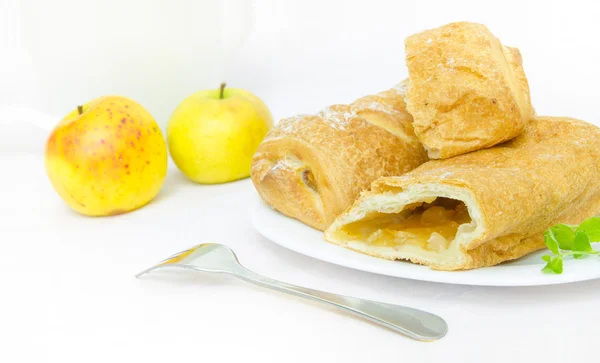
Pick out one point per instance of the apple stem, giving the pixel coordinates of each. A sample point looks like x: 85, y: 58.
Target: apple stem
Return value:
x: 80, y: 109
x: 222, y: 89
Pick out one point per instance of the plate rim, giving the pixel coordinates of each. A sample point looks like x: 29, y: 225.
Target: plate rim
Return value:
x: 486, y: 276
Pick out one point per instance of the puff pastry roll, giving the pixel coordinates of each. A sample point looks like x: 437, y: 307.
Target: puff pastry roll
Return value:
x: 467, y: 91
x: 313, y: 167
x: 481, y: 208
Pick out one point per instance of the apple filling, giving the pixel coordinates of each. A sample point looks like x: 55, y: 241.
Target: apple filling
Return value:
x: 309, y: 179
x: 429, y: 225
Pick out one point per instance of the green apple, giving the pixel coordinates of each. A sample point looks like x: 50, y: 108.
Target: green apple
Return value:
x: 212, y: 135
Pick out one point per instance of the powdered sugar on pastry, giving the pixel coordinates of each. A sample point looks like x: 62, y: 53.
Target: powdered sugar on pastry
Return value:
x: 337, y: 116
x: 312, y: 167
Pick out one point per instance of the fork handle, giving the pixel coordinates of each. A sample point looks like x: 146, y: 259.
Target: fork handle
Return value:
x: 414, y: 323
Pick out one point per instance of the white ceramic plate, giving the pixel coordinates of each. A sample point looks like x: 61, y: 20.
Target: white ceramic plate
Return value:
x: 291, y: 234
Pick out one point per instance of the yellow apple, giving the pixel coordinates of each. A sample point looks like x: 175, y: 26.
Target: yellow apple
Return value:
x: 212, y: 135
x: 107, y: 157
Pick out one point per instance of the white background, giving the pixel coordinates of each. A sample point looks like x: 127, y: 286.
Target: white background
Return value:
x: 68, y: 292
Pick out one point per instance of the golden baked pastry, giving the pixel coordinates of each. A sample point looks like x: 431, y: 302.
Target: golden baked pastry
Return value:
x: 481, y: 208
x: 313, y: 167
x: 467, y: 91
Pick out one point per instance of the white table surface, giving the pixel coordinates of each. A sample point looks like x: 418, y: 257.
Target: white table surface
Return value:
x: 69, y: 295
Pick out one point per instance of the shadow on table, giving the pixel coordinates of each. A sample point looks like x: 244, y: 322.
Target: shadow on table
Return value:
x: 174, y: 182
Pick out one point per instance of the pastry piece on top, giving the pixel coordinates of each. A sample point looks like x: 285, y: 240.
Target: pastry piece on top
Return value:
x: 481, y: 208
x: 467, y: 91
x: 313, y: 167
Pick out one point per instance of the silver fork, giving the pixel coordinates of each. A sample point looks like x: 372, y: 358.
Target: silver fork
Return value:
x: 213, y: 257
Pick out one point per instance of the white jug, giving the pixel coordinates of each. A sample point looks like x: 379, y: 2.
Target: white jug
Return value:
x: 155, y: 52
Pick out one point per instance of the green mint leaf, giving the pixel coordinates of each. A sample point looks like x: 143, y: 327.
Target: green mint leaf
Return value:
x: 564, y: 235
x: 546, y: 258
x: 554, y: 266
x: 581, y: 243
x: 591, y: 226
x: 550, y: 241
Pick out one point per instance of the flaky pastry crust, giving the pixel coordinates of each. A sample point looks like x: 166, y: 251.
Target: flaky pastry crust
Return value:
x: 312, y: 167
x: 467, y: 91
x: 513, y: 192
